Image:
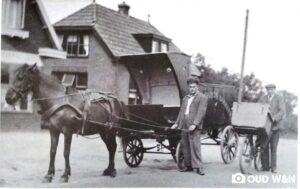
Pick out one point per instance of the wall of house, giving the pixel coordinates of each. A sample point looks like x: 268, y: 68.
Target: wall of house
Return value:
x: 103, y: 73
x: 38, y: 36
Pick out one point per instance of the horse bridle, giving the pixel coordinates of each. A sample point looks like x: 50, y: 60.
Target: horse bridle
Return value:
x: 18, y: 91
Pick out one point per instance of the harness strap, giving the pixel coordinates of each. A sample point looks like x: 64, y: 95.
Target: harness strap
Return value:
x: 57, y: 107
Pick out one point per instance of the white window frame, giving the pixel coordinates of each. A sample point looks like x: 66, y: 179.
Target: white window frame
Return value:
x: 159, y: 47
x: 155, y: 46
x: 165, y: 45
x: 74, y: 77
x: 68, y: 76
x: 75, y: 39
x: 79, y: 87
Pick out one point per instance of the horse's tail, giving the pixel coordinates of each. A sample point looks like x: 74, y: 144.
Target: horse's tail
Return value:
x: 125, y: 114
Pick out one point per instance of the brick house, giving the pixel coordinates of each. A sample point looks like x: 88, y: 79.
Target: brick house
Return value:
x: 102, y: 48
x: 27, y: 37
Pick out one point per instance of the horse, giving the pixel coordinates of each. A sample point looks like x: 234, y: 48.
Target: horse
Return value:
x: 59, y: 108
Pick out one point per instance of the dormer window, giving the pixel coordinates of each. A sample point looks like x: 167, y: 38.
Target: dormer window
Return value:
x: 153, y: 43
x: 159, y: 46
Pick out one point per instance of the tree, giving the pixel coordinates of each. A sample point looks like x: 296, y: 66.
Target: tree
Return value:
x: 291, y: 119
x: 252, y: 91
x: 290, y: 100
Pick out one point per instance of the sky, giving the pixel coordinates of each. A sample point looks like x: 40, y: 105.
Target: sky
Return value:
x: 215, y: 28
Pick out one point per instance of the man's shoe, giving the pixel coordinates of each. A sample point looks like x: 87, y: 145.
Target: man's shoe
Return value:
x: 273, y: 171
x: 200, y: 172
x: 186, y: 169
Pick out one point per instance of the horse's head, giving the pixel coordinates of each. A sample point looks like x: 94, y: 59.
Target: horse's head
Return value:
x: 22, y: 83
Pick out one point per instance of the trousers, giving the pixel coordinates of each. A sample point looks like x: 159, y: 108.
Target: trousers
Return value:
x: 191, y: 143
x: 270, y: 147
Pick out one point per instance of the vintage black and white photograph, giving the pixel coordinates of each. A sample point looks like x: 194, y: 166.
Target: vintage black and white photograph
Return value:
x: 149, y: 93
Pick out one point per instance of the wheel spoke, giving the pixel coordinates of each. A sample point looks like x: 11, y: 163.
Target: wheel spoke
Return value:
x: 130, y: 145
x: 131, y: 160
x: 231, y: 151
x: 135, y: 160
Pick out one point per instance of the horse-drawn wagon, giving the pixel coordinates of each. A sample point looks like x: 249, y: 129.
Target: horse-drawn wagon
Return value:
x: 160, y: 82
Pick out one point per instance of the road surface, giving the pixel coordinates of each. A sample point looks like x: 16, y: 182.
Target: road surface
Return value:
x: 25, y: 158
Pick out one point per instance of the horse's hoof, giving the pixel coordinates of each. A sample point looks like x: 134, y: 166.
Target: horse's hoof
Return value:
x: 64, y: 179
x: 113, y: 173
x: 110, y: 172
x: 105, y: 172
x: 47, y: 179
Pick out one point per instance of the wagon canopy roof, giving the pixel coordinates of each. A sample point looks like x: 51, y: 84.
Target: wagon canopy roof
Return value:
x: 116, y: 29
x: 179, y: 63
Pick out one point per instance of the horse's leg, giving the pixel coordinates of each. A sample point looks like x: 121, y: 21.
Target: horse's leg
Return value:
x: 67, y: 150
x: 111, y: 144
x: 54, y: 142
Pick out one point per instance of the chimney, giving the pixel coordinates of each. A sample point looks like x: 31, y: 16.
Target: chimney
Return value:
x: 124, y: 8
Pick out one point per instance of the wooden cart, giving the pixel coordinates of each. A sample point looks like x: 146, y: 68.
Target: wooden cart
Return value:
x: 250, y: 120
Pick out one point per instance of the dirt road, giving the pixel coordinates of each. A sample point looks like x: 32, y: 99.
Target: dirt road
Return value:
x: 25, y: 157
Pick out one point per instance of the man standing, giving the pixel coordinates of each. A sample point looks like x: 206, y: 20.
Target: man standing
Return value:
x: 190, y: 119
x: 277, y: 109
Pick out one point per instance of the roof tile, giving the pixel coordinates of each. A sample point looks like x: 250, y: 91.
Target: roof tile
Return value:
x: 116, y: 29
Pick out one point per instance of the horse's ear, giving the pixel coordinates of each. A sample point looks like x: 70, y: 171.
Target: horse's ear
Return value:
x: 33, y: 68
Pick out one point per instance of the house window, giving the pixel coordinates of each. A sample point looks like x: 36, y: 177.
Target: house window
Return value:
x: 4, y: 76
x: 13, y: 13
x: 76, y: 80
x: 163, y: 47
x: 134, y: 96
x: 155, y: 46
x: 76, y: 45
x: 159, y: 46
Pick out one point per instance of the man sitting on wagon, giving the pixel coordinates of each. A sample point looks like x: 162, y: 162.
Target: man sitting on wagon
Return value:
x: 190, y: 119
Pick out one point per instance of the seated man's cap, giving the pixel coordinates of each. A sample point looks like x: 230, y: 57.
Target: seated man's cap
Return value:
x: 269, y: 86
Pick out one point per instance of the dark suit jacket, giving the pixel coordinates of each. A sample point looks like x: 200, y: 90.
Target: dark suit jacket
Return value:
x: 277, y: 109
x: 197, y: 111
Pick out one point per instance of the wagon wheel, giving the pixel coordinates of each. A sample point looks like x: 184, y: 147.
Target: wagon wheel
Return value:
x: 229, y: 144
x: 246, y: 156
x: 133, y: 152
x: 179, y: 156
x: 173, y: 148
x: 257, y: 161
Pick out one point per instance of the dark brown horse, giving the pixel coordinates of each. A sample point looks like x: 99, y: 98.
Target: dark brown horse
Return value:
x: 59, y: 107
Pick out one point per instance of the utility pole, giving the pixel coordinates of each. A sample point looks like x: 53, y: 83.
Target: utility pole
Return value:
x: 243, y: 60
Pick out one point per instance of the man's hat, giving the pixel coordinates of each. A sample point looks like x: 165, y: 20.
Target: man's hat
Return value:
x: 270, y: 86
